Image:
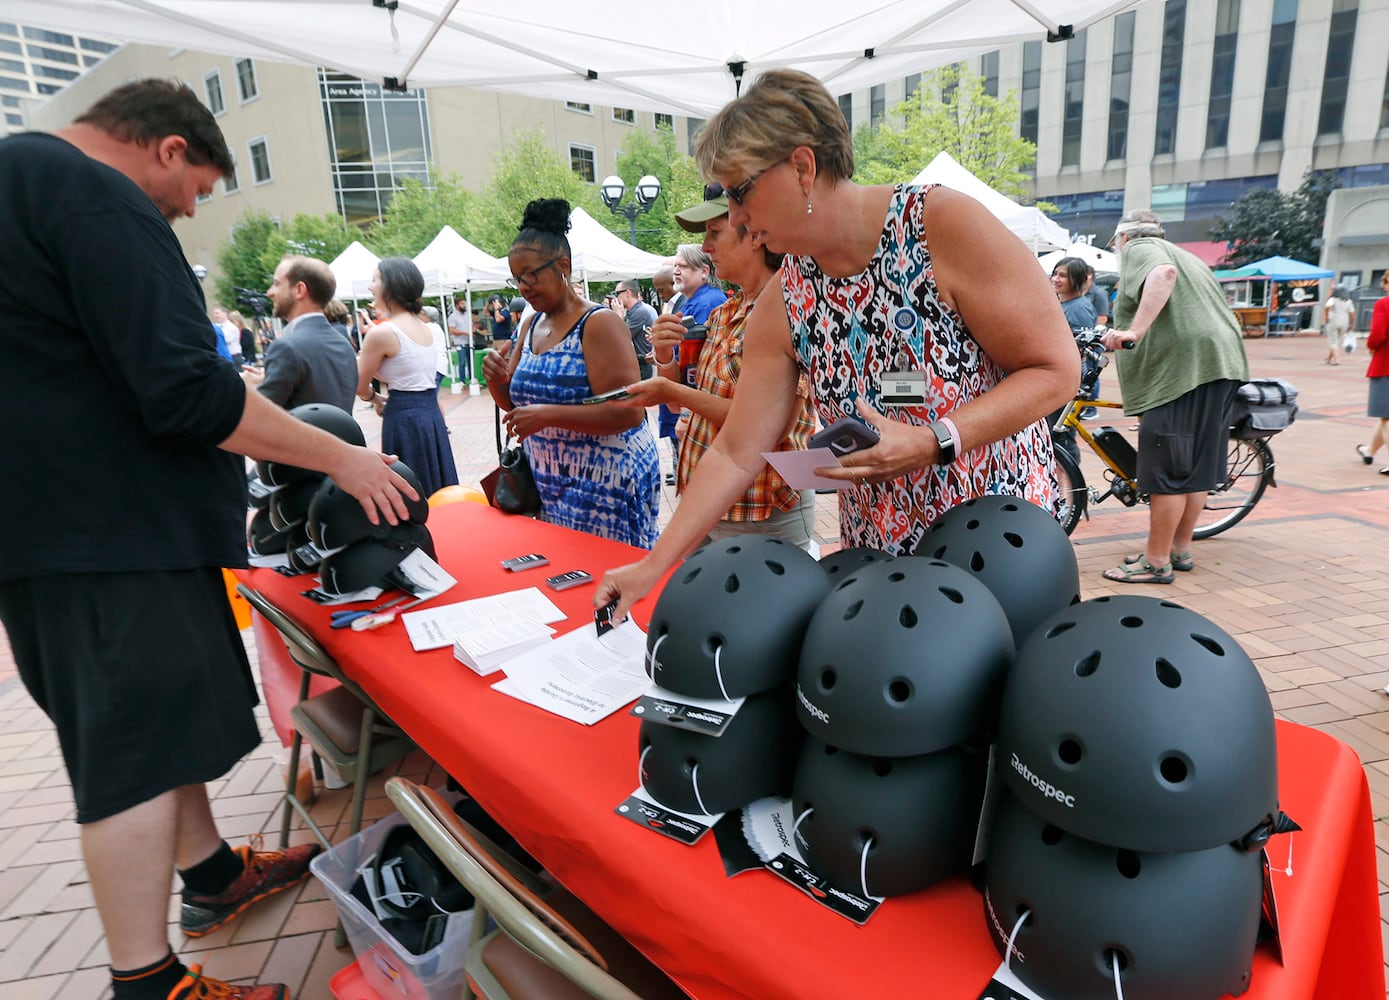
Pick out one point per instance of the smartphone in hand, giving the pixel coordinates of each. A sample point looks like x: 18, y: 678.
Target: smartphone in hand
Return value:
x: 845, y: 436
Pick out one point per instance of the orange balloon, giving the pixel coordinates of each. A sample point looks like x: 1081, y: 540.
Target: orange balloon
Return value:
x: 458, y: 494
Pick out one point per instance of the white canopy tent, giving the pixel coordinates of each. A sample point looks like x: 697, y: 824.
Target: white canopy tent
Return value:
x: 613, y: 53
x: 353, y: 268
x: 1104, y: 262
x: 599, y: 255
x: 450, y: 262
x: 1027, y: 223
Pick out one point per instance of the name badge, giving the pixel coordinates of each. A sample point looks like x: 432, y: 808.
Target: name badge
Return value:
x: 903, y: 388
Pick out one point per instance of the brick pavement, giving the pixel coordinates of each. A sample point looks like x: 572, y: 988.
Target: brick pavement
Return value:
x: 1300, y: 584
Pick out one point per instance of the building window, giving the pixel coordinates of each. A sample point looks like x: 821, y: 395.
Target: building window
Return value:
x: 12, y: 84
x: 582, y: 160
x: 53, y: 72
x: 1031, y: 89
x: 1280, y: 59
x: 260, y: 160
x: 47, y: 89
x: 53, y: 55
x: 246, y: 80
x: 877, y: 103
x: 230, y: 183
x: 1384, y: 105
x: 1337, y: 76
x: 1170, y: 76
x: 203, y: 199
x: 9, y: 102
x: 52, y: 37
x: 988, y: 69
x: 846, y: 108
x: 13, y: 119
x: 1094, y: 213
x: 1222, y: 74
x: 92, y: 45
x: 625, y: 115
x: 581, y: 108
x: 665, y: 121
x: 7, y: 28
x: 1073, y: 111
x: 13, y: 48
x: 913, y: 84
x: 212, y: 86
x: 12, y: 65
x: 693, y: 126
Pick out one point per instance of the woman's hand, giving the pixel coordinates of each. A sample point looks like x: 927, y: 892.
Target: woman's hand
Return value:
x: 666, y: 334
x: 627, y: 585
x: 496, y: 366
x: 650, y: 391
x: 523, y: 421
x: 901, y: 448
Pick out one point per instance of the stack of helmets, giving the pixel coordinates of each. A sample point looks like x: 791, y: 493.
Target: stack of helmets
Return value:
x: 280, y: 522
x: 362, y: 554
x: 728, y: 625
x: 1137, y: 746
x: 901, y: 670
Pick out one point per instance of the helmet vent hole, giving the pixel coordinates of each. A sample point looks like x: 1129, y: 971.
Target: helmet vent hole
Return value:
x: 896, y: 577
x: 830, y: 751
x: 777, y: 568
x: 865, y: 838
x: 899, y: 690
x: 1013, y: 539
x: 712, y: 644
x: 1087, y: 666
x: 1070, y: 752
x: 1128, y: 864
x: 939, y: 553
x: 690, y: 576
x: 852, y: 610
x: 827, y: 679
x: 690, y: 765
x: 1210, y: 644
x: 952, y: 595
x: 1167, y: 674
x: 733, y: 550
x: 1061, y: 629
x: 1131, y: 621
x: 907, y: 617
x: 882, y: 766
x: 976, y: 562
x: 731, y: 583
x: 972, y: 524
x: 1114, y: 958
x: 1009, y: 507
x: 1174, y: 770
x: 1051, y: 835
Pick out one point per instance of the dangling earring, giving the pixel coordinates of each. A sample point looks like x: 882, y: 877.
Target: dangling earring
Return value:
x: 809, y: 208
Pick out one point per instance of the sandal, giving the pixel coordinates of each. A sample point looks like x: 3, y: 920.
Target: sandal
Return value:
x: 1365, y: 454
x: 1140, y: 572
x: 1181, y: 561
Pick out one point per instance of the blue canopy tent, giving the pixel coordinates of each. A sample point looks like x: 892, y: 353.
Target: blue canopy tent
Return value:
x: 1274, y: 270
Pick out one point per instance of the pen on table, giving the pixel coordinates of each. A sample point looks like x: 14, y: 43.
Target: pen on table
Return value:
x: 373, y: 621
x: 342, y: 619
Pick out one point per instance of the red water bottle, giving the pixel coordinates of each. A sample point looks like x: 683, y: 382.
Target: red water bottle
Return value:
x: 691, y: 347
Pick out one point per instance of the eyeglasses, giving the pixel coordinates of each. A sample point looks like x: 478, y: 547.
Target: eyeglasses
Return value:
x: 739, y: 192
x: 529, y: 278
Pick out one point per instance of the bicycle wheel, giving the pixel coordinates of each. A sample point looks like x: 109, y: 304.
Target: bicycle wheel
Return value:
x: 1249, y: 473
x: 1073, y: 494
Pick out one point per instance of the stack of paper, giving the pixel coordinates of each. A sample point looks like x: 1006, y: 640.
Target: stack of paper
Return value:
x: 486, y: 648
x: 440, y: 627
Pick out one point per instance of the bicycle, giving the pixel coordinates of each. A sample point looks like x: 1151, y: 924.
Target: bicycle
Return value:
x: 1249, y: 473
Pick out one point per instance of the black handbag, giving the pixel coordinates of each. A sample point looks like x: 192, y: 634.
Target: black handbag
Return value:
x: 511, y: 486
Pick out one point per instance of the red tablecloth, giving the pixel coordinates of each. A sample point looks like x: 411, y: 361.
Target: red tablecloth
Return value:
x: 554, y: 785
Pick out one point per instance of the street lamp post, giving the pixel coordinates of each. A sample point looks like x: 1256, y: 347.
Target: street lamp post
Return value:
x: 647, y: 191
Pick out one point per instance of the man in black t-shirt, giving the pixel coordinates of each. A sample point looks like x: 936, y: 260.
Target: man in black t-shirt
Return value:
x: 131, y: 430
x: 499, y: 317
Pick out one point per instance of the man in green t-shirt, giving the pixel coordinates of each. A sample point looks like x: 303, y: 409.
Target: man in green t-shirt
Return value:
x: 1186, y: 362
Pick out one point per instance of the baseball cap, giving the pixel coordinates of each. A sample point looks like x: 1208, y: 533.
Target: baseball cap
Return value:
x: 1139, y: 218
x: 715, y: 203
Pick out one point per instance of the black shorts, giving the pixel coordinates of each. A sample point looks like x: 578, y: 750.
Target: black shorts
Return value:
x: 1183, y: 446
x: 144, y: 675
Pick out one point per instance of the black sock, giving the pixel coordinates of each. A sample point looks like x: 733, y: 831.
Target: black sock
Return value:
x: 153, y: 982
x: 213, y: 874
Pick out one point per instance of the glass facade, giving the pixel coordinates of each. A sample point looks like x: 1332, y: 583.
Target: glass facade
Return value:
x: 1073, y: 112
x: 1094, y: 213
x: 1031, y: 89
x: 1120, y: 86
x: 1222, y: 74
x: 988, y: 69
x: 1170, y: 77
x: 1336, y: 80
x: 1280, y: 60
x: 1204, y: 201
x: 376, y: 140
x: 877, y: 104
x: 846, y: 108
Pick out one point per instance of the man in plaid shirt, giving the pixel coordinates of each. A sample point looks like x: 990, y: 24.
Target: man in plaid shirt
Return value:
x: 770, y: 506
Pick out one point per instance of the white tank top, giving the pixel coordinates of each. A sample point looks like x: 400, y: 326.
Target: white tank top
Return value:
x: 412, y: 368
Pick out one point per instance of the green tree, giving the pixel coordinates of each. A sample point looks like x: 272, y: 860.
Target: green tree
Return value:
x: 319, y: 236
x: 418, y: 210
x: 1270, y: 223
x: 950, y: 111
x: 528, y: 168
x: 249, y: 257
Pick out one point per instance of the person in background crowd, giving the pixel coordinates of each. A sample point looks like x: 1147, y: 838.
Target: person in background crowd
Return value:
x: 338, y: 317
x: 639, y: 317
x: 1378, y: 374
x: 698, y: 296
x: 430, y: 316
x: 595, y: 465
x: 403, y: 352
x: 1338, y: 321
x: 862, y: 296
x: 1068, y: 278
x: 1181, y: 376
x: 231, y: 335
x: 498, y: 317
x: 310, y: 362
x: 461, y: 337
x: 664, y: 283
x: 1099, y: 298
x: 117, y: 613
x: 249, y: 354
x: 769, y: 506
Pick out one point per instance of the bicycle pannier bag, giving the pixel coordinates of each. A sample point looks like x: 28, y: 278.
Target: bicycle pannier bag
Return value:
x: 1263, y: 407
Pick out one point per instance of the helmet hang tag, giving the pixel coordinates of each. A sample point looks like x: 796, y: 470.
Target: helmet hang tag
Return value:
x: 709, y: 716
x: 1006, y: 986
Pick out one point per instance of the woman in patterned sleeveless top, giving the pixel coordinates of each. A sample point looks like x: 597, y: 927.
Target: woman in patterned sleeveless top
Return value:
x: 904, y: 306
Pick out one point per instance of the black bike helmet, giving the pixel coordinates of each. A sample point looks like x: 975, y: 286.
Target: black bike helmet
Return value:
x: 1180, y: 925
x: 369, y: 562
x: 289, y: 505
x: 255, y: 491
x: 303, y: 557
x: 730, y: 619
x: 887, y: 826
x: 1020, y: 552
x: 838, y: 565
x: 324, y: 416
x: 263, y: 538
x: 336, y: 517
x: 754, y: 757
x: 904, y: 657
x: 1133, y: 722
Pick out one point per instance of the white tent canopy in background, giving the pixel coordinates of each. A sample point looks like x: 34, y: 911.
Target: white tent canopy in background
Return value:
x: 450, y: 262
x: 1024, y: 221
x: 1104, y: 262
x: 614, y: 52
x: 599, y: 255
x: 353, y: 268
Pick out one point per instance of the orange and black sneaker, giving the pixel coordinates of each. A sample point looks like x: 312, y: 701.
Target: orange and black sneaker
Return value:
x: 266, y: 873
x: 195, y: 986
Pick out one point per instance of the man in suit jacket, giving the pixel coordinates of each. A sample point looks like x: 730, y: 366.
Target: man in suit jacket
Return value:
x: 309, y: 362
